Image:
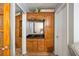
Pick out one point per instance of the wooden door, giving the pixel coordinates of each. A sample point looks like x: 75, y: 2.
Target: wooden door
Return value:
x: 4, y: 29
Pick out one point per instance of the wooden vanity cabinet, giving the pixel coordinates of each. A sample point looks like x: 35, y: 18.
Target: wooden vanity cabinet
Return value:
x: 31, y: 45
x: 35, y: 45
x: 46, y: 45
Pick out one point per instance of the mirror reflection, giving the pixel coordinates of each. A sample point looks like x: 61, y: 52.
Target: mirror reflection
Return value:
x: 35, y: 29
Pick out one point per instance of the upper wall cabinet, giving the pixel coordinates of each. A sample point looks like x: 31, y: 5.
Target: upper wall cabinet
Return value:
x: 35, y: 16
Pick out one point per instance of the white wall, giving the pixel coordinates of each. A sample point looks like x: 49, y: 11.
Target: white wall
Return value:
x: 12, y: 28
x: 76, y: 22
x: 70, y: 23
x: 61, y: 30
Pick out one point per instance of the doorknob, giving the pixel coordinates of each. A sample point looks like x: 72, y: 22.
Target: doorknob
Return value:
x: 57, y: 36
x: 4, y: 48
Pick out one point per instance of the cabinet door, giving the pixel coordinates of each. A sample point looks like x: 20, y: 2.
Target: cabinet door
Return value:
x: 34, y: 46
x: 35, y: 16
x: 49, y: 47
x: 4, y: 29
x: 29, y: 46
x: 48, y: 33
x: 41, y: 46
x: 32, y: 16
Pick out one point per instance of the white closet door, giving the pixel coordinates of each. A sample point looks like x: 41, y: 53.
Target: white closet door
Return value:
x: 61, y: 32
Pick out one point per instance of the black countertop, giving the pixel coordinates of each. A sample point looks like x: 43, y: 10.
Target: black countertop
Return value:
x: 36, y: 36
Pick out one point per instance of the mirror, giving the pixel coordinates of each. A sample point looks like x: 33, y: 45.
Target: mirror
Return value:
x: 18, y: 30
x: 35, y: 29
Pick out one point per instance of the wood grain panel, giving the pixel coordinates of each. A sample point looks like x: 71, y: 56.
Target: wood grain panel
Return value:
x: 6, y: 17
x: 46, y: 45
x: 18, y: 33
x: 35, y: 16
x: 34, y: 46
x: 29, y: 46
x: 41, y: 46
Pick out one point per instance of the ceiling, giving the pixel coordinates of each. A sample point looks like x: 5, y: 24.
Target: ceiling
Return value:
x: 32, y: 6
